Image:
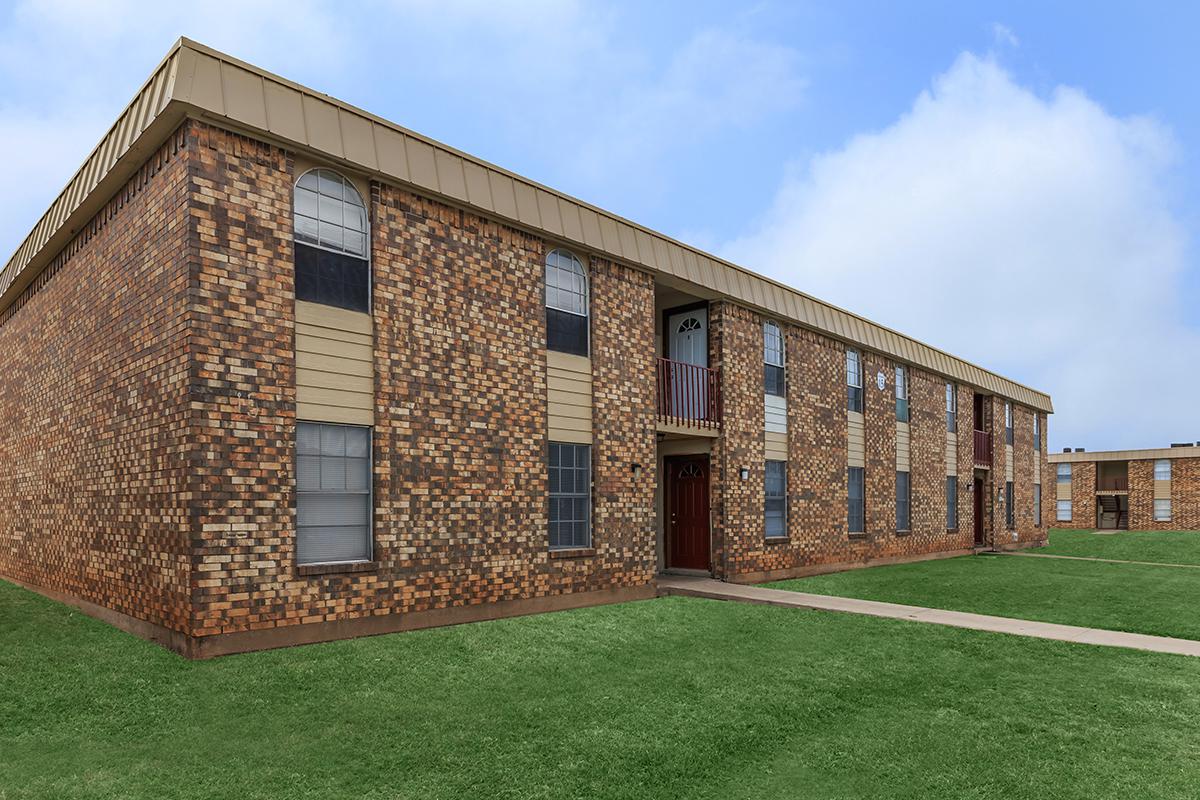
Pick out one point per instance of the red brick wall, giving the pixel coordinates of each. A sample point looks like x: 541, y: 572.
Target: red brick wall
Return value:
x: 1185, y: 495
x: 93, y: 394
x: 461, y: 429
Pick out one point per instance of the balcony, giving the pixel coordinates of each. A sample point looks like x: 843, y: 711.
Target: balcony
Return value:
x: 689, y: 396
x: 1116, y: 483
x: 983, y: 449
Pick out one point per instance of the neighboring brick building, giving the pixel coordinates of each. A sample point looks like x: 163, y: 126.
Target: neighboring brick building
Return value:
x: 1156, y: 489
x: 273, y: 371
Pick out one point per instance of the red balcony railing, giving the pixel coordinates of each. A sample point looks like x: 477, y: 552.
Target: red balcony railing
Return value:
x: 688, y: 395
x: 983, y: 449
x: 1112, y: 484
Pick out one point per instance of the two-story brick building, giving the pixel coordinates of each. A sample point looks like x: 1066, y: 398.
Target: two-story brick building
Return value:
x: 1150, y: 489
x: 274, y: 370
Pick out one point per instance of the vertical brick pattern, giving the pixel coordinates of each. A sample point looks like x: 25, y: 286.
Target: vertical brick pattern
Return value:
x: 93, y: 395
x: 738, y: 526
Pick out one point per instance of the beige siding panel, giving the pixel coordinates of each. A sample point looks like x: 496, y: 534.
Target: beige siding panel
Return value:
x: 1008, y: 462
x: 504, y: 196
x: 951, y: 453
x: 1037, y: 467
x: 1162, y: 490
x: 340, y: 381
x: 335, y: 369
x: 569, y: 397
x: 775, y: 414
x: 346, y: 365
x: 547, y: 205
x: 1062, y: 490
x: 316, y: 412
x: 285, y: 110
x: 478, y: 191
x: 206, y: 83
x: 358, y: 140
x: 421, y: 163
x: 902, y: 447
x: 856, y: 452
x: 570, y: 437
x: 450, y: 175
x: 527, y: 211
x: 775, y: 446
x: 321, y: 122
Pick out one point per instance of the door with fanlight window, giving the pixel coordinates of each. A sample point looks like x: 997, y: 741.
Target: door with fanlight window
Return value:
x: 687, y: 528
x: 687, y: 348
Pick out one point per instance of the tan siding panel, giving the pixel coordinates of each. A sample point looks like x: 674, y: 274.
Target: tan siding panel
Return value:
x: 775, y: 414
x: 903, y: 458
x: 316, y: 412
x: 569, y: 398
x: 775, y: 446
x: 1008, y: 462
x: 335, y: 376
x: 856, y: 453
x: 1162, y: 490
x: 317, y: 379
x: 320, y: 362
x: 951, y: 453
x: 1063, y: 490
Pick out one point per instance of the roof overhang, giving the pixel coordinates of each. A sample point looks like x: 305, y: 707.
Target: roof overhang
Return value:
x: 196, y: 81
x: 1124, y: 455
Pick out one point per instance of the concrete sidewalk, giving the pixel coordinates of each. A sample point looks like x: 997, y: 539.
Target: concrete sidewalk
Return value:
x: 716, y: 590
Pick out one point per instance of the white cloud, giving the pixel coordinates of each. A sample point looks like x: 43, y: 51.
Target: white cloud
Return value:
x: 1002, y: 34
x: 1034, y: 235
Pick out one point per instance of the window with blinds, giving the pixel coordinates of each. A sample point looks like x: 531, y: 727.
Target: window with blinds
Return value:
x: 333, y: 493
x: 775, y: 492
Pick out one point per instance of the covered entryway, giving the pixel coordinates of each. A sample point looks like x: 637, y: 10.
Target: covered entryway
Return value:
x: 687, y: 523
x: 977, y: 495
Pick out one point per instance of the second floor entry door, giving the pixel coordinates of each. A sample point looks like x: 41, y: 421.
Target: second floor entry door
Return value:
x: 687, y: 346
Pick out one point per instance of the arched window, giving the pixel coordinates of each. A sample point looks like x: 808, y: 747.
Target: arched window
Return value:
x: 332, y: 242
x: 566, y: 303
x: 773, y: 380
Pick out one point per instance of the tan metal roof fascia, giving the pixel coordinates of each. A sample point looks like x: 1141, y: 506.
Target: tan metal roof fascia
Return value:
x: 312, y: 121
x: 142, y: 126
x: 1124, y: 455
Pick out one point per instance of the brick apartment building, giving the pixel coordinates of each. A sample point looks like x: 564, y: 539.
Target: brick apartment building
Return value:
x: 1154, y: 489
x: 274, y: 370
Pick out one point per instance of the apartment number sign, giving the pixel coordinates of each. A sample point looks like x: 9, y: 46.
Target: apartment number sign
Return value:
x: 881, y: 381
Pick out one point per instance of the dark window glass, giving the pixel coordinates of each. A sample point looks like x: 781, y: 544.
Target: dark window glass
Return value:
x: 854, y: 381
x: 1037, y: 505
x: 903, y: 501
x: 901, y: 394
x: 333, y: 493
x: 951, y: 502
x: 566, y: 332
x: 856, y: 521
x: 775, y: 490
x: 570, y: 495
x: 332, y: 279
x: 773, y: 380
x: 1010, y: 515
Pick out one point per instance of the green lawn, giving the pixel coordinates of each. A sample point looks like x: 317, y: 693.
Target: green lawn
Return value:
x: 669, y: 698
x: 1096, y: 594
x: 1163, y: 547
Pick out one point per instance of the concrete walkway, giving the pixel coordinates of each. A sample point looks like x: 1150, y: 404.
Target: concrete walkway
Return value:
x: 1090, y: 558
x: 716, y: 590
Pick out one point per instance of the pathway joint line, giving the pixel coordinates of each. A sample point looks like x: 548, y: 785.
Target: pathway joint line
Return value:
x: 690, y: 586
x: 1090, y: 558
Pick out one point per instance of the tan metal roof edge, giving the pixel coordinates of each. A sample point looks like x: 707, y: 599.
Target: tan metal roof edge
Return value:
x: 313, y: 121
x: 1124, y: 455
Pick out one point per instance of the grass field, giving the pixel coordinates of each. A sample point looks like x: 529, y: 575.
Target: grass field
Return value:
x: 1163, y: 547
x: 1156, y: 600
x: 676, y: 697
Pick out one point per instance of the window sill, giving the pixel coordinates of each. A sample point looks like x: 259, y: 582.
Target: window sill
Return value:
x: 776, y: 539
x: 576, y: 552
x: 951, y: 530
x: 903, y: 533
x: 305, y: 570
x: 857, y: 536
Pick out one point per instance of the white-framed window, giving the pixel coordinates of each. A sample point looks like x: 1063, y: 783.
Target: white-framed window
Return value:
x: 1162, y: 510
x: 856, y: 510
x: 1037, y: 432
x: 1062, y: 473
x: 570, y: 479
x: 901, y: 394
x: 951, y: 407
x: 1162, y: 469
x: 331, y: 242
x: 333, y: 493
x: 854, y: 381
x: 1008, y: 422
x: 773, y: 375
x: 775, y: 503
x: 1064, y: 511
x: 566, y: 303
x: 951, y: 502
x: 903, y: 501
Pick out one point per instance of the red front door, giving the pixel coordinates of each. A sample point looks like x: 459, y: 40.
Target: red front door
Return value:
x: 687, y: 512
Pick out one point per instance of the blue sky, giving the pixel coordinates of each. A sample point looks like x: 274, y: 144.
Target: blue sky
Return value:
x: 1017, y: 183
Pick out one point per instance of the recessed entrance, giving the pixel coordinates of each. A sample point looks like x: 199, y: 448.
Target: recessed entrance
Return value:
x: 977, y: 496
x: 687, y: 533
